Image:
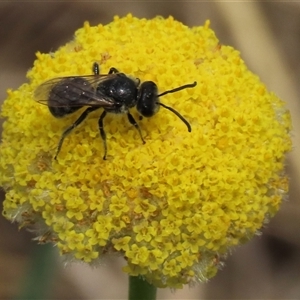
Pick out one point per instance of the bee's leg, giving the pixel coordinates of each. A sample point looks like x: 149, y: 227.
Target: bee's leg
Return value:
x: 74, y: 125
x: 96, y: 68
x: 135, y: 124
x: 113, y: 70
x: 102, y: 132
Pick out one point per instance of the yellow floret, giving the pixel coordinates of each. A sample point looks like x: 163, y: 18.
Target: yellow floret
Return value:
x: 175, y: 205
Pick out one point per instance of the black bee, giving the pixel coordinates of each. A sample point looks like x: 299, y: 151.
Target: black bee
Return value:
x: 115, y: 92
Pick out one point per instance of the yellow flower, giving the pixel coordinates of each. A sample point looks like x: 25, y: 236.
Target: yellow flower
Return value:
x: 174, y: 205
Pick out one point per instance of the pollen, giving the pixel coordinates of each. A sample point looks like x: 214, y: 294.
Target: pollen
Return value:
x: 174, y: 206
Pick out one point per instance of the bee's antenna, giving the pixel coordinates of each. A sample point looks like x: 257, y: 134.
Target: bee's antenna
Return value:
x: 186, y: 86
x: 178, y: 115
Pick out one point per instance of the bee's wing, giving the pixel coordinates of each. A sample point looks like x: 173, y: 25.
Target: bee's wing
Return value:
x: 73, y: 91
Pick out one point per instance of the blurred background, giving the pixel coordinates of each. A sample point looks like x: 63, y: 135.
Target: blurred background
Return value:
x: 268, y: 36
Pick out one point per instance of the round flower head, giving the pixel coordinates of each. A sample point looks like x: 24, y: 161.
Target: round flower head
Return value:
x: 172, y: 207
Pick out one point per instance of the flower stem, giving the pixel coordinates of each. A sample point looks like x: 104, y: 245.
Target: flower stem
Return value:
x: 140, y: 289
x: 38, y: 281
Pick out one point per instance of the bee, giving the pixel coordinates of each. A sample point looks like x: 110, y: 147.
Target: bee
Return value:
x: 115, y: 92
